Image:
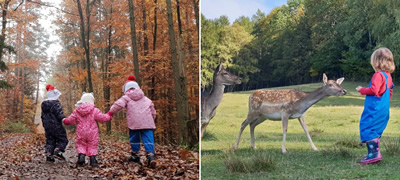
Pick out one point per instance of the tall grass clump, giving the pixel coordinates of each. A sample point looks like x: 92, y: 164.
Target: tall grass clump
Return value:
x: 392, y: 145
x: 255, y: 162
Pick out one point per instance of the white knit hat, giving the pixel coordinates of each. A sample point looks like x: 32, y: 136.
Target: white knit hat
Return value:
x: 130, y: 85
x: 53, y: 94
x: 86, y: 98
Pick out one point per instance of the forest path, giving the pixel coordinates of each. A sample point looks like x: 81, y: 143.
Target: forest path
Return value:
x: 22, y: 157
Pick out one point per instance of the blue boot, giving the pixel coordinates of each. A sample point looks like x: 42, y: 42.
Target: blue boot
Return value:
x: 374, y: 154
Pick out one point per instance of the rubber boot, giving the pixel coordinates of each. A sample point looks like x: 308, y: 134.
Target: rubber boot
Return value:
x: 93, y: 161
x: 151, y: 160
x: 374, y: 154
x: 81, y: 159
x: 50, y: 158
x: 59, y: 155
x: 134, y: 158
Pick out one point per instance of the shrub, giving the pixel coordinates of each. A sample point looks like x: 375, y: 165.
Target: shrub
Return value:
x: 15, y: 127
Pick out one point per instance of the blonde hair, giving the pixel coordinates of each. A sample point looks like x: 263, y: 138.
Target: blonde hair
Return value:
x: 382, y: 60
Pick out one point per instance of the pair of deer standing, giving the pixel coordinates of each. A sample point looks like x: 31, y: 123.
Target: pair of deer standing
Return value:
x: 275, y: 105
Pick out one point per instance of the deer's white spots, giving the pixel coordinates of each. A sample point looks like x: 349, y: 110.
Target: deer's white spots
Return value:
x: 285, y: 104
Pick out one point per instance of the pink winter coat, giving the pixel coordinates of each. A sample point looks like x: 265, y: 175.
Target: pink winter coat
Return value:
x: 87, y: 132
x: 139, y: 109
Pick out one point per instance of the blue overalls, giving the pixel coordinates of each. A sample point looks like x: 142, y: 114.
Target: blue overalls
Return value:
x: 375, y: 115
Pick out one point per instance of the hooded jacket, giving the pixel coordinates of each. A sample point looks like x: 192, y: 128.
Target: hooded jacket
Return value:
x: 52, y: 115
x: 85, y: 116
x: 139, y: 109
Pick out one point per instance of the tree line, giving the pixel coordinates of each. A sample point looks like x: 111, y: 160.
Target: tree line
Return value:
x: 299, y: 41
x: 103, y: 42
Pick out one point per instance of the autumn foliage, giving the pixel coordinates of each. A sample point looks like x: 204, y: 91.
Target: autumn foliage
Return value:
x: 111, y: 59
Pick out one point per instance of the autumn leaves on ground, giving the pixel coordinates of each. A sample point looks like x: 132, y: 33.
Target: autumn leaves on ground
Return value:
x: 22, y: 156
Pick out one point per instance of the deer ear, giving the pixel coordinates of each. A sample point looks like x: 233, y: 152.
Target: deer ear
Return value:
x: 324, y: 78
x: 340, y: 80
x: 220, y: 67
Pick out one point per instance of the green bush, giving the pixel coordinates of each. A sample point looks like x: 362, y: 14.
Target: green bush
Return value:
x: 15, y: 127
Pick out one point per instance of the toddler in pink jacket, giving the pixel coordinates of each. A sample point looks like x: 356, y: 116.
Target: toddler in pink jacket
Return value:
x: 87, y: 132
x: 140, y: 117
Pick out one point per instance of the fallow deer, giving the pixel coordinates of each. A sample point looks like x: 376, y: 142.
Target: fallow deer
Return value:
x: 210, y: 102
x: 285, y: 104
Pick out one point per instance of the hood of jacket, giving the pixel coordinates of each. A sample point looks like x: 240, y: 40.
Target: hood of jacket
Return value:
x: 135, y: 94
x: 85, y: 109
x: 48, y: 104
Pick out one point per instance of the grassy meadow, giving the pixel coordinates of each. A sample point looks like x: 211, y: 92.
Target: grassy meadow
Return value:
x: 333, y: 124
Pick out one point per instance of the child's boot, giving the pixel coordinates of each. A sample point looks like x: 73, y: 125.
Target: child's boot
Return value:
x: 151, y: 160
x: 93, y: 161
x: 81, y: 159
x: 134, y: 158
x: 49, y: 157
x: 59, y: 155
x: 374, y: 154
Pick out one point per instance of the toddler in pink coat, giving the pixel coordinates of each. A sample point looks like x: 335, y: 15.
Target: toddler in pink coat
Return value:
x: 140, y: 117
x: 87, y: 132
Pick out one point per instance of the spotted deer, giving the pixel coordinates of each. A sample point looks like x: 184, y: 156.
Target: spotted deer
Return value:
x: 210, y: 102
x: 285, y: 104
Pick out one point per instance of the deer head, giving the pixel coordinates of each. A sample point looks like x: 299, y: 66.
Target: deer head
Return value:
x: 222, y: 76
x: 333, y: 88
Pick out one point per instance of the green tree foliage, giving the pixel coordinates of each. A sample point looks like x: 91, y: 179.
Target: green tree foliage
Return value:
x: 297, y: 42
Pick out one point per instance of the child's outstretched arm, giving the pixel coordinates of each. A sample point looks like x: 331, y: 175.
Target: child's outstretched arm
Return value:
x: 153, y: 111
x: 71, y: 120
x: 119, y: 105
x: 377, y: 83
x: 100, y: 117
x: 58, y: 112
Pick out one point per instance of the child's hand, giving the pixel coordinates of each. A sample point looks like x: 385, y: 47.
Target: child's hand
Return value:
x: 110, y: 114
x: 358, y: 88
x: 63, y: 121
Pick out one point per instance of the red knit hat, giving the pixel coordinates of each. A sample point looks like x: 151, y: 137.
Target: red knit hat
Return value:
x: 132, y: 78
x: 49, y: 87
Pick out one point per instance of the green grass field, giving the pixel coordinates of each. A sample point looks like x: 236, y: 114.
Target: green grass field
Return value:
x: 333, y: 124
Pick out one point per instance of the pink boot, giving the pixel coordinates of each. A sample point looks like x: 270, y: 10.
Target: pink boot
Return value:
x: 374, y: 154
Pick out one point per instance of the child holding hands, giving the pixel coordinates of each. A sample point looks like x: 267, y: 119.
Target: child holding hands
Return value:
x: 52, y: 115
x: 87, y: 132
x: 140, y: 118
x: 377, y: 102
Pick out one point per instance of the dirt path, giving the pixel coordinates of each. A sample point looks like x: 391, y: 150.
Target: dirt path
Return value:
x: 22, y: 156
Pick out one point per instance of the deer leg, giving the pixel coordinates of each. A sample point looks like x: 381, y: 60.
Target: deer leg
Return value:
x: 244, y: 124
x: 203, y: 129
x: 252, y: 127
x: 284, y: 127
x: 304, y: 125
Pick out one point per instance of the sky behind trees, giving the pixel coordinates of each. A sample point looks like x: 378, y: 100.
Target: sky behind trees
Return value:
x: 235, y: 8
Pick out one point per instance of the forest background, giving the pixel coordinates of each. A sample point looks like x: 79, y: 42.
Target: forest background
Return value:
x: 103, y: 42
x: 297, y: 42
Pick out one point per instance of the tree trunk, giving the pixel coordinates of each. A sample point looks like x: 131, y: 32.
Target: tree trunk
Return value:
x: 134, y: 41
x: 145, y: 39
x: 106, y: 87
x: 196, y: 13
x: 155, y: 28
x: 21, y: 110
x: 85, y: 39
x: 180, y: 80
